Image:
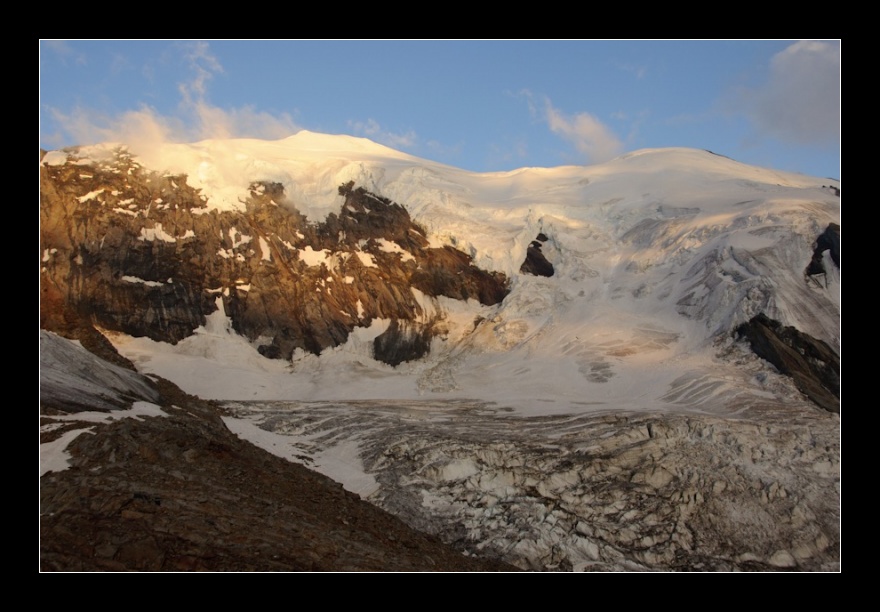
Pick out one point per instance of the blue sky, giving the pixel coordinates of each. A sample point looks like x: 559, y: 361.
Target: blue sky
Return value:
x: 479, y: 105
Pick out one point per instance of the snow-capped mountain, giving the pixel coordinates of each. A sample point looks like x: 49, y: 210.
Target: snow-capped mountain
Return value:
x: 574, y: 308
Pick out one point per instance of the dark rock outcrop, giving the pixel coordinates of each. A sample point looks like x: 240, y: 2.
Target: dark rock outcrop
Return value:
x: 403, y: 341
x: 135, y: 251
x: 811, y: 363
x: 829, y: 240
x: 449, y: 272
x: 536, y: 263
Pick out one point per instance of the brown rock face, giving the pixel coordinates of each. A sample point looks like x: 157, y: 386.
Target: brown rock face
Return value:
x: 134, y: 251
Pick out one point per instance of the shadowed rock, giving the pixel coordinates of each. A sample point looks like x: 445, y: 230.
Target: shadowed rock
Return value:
x: 536, y: 263
x: 403, y: 341
x: 811, y: 363
x: 829, y: 240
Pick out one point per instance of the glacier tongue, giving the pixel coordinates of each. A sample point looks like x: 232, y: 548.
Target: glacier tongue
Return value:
x: 610, y: 491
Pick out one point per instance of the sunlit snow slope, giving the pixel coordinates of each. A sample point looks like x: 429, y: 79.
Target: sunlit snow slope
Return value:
x: 658, y: 256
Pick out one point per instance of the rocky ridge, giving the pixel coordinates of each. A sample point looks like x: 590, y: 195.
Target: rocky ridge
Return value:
x: 135, y: 251
x: 175, y: 490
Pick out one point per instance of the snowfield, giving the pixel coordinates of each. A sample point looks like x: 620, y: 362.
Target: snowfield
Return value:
x: 659, y: 255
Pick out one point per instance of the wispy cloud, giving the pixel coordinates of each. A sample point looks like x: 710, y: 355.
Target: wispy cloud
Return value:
x: 372, y: 130
x: 214, y: 122
x: 595, y: 140
x: 530, y: 101
x: 64, y: 51
x: 119, y: 64
x: 203, y: 65
x: 800, y: 102
x: 196, y: 118
x: 592, y: 138
x: 140, y: 129
x: 636, y: 70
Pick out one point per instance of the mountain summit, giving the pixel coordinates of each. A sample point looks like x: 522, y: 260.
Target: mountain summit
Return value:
x: 666, y: 284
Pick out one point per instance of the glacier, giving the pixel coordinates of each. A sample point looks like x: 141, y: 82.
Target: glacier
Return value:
x: 606, y: 417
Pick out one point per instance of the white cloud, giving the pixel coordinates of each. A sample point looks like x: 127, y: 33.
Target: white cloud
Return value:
x: 197, y: 118
x: 215, y: 122
x: 590, y: 136
x: 140, y: 128
x: 245, y: 122
x: 372, y: 130
x: 801, y: 100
